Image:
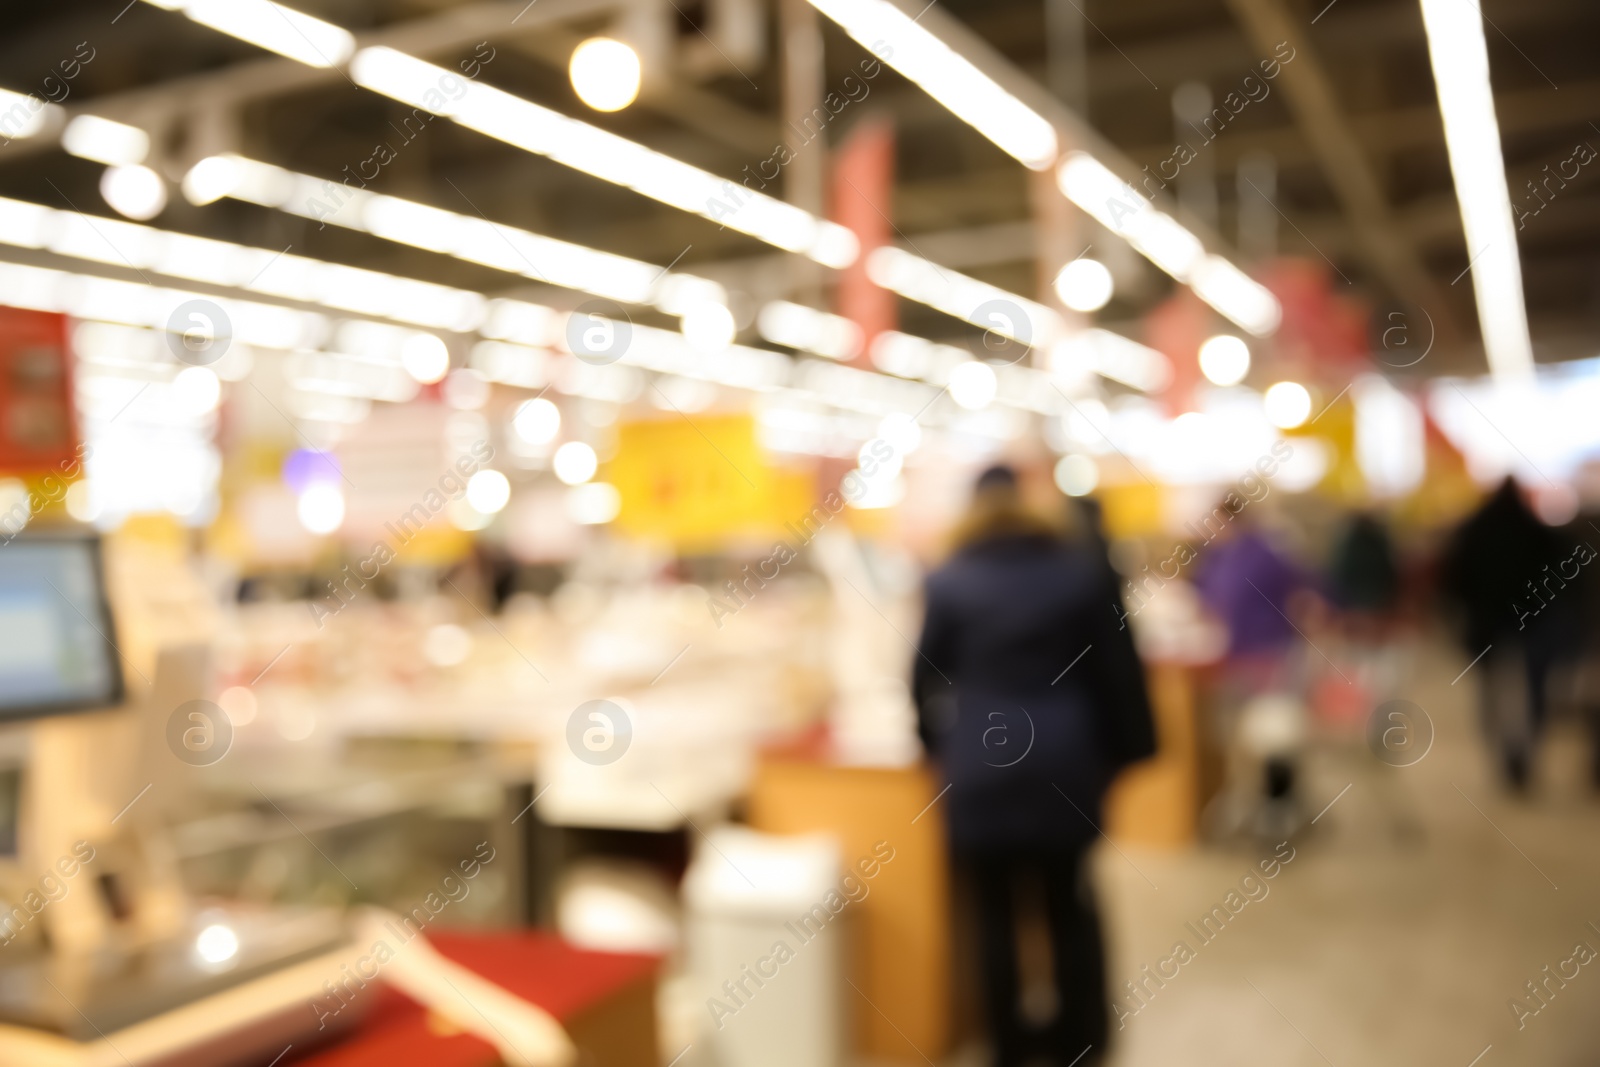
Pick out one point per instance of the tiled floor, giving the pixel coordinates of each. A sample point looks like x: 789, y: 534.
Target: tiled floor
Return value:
x: 1376, y: 945
x: 1374, y: 948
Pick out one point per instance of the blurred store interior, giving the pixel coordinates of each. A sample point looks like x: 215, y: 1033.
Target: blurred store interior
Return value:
x: 593, y: 532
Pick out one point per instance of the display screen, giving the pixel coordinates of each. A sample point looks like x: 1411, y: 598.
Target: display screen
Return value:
x: 56, y: 639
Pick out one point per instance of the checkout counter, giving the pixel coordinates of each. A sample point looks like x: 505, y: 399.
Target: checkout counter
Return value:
x: 109, y: 957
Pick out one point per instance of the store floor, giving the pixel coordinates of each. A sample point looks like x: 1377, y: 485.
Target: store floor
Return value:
x: 1374, y: 947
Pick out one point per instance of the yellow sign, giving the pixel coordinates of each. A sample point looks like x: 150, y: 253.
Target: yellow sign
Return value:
x: 700, y: 481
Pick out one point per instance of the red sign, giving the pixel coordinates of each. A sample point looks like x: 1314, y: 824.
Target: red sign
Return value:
x: 38, y: 421
x: 863, y: 185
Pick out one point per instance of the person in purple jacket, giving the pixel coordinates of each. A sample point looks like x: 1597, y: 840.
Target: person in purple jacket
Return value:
x: 1251, y: 587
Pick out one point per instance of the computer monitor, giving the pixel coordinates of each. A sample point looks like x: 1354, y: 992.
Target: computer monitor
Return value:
x: 57, y: 644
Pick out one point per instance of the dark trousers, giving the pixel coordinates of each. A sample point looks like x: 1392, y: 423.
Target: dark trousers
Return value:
x: 1513, y: 685
x: 1081, y: 1019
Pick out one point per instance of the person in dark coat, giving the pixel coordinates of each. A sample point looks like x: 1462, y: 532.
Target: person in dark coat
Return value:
x: 1506, y: 573
x: 1363, y: 577
x: 1031, y: 697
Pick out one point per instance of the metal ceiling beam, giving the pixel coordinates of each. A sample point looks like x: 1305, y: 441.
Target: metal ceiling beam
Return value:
x: 1338, y: 148
x: 1404, y: 129
x: 1205, y: 53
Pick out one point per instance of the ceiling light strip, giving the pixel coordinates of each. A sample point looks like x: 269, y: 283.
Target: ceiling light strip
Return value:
x: 975, y: 98
x: 258, y: 270
x: 1472, y: 135
x: 470, y: 238
x: 272, y: 26
x: 541, y: 131
x: 601, y: 154
x: 931, y: 64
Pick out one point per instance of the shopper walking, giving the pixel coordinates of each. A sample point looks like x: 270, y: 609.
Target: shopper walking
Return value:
x: 1515, y: 618
x: 1031, y: 697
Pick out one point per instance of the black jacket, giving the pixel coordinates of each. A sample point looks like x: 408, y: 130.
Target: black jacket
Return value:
x: 1493, y: 572
x: 1028, y: 690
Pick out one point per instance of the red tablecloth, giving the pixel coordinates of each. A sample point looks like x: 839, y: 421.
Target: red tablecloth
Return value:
x: 539, y: 967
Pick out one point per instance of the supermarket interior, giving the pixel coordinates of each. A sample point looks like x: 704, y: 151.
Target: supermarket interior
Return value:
x: 799, y: 533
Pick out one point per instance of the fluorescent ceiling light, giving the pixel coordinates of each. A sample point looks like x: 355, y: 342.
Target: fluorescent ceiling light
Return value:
x: 983, y: 305
x: 134, y: 190
x: 85, y: 296
x: 604, y: 155
x: 1164, y: 241
x: 271, y: 26
x: 105, y: 141
x: 1472, y: 134
x: 1238, y: 297
x: 466, y: 237
x: 907, y: 356
x: 809, y: 330
x: 1113, y: 356
x: 1115, y: 204
x: 1084, y: 285
x: 979, y: 101
x: 22, y: 115
x: 544, y: 132
x: 968, y: 93
x: 200, y: 259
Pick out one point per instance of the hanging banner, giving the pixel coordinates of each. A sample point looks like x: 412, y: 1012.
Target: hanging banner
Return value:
x: 38, y: 421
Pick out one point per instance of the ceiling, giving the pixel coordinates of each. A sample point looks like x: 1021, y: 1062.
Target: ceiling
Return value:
x: 1349, y: 131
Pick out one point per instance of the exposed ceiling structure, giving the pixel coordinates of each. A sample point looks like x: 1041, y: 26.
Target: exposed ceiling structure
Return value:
x: 1345, y: 144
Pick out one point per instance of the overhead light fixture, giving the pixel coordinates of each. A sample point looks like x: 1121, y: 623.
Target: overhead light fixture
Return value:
x: 1164, y: 241
x: 951, y: 79
x: 488, y: 491
x: 593, y: 504
x: 1077, y: 475
x: 606, y: 156
x: 983, y: 305
x: 973, y: 385
x: 905, y: 355
x: 471, y: 238
x: 23, y: 115
x: 809, y: 330
x: 709, y: 327
x: 321, y: 508
x: 575, y: 463
x: 524, y: 330
x: 196, y: 390
x: 217, y: 944
x: 212, y: 178
x: 1472, y: 135
x: 1084, y: 285
x: 571, y: 142
x: 1238, y: 297
x: 201, y: 259
x: 605, y: 74
x: 425, y: 358
x: 536, y: 421
x: 105, y: 141
x: 85, y: 296
x: 1115, y: 204
x: 271, y: 26
x: 901, y: 431
x: 1110, y: 355
x: 134, y: 190
x: 1287, y: 404
x: 1224, y: 360
x: 983, y: 104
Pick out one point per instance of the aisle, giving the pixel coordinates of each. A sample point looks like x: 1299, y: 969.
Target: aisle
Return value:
x: 1371, y: 948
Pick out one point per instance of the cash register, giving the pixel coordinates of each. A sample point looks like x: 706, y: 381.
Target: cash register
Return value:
x: 104, y: 960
